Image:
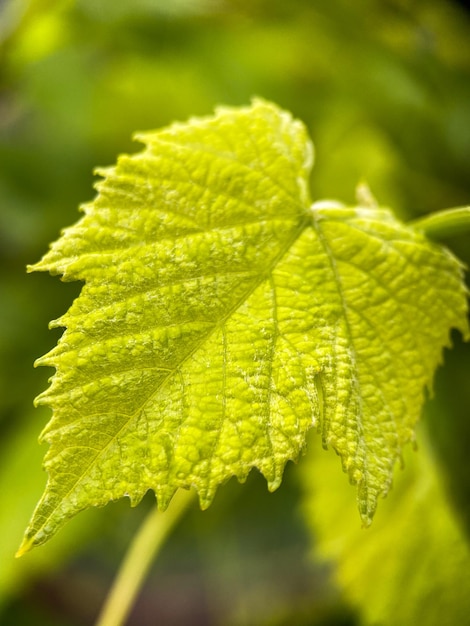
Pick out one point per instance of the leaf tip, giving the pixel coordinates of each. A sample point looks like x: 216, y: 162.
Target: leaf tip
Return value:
x: 366, y: 513
x: 273, y: 485
x: 25, y: 547
x: 205, y: 499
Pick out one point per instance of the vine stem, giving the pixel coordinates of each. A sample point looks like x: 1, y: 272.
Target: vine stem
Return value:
x: 444, y: 223
x: 144, y: 547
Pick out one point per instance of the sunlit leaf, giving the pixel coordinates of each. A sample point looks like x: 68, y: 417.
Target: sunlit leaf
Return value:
x: 223, y: 315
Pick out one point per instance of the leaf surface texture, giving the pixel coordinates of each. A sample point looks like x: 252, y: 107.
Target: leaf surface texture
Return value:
x: 223, y: 315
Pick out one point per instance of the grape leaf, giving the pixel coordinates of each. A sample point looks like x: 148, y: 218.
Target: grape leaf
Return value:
x: 223, y: 315
x: 411, y: 566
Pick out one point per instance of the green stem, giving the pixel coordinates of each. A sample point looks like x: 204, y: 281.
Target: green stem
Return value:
x: 142, y: 551
x: 444, y: 223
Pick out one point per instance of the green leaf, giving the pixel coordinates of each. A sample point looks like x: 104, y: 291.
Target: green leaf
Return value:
x: 222, y: 316
x: 411, y: 566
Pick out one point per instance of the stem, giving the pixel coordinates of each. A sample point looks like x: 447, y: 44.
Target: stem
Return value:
x: 444, y: 223
x: 140, y: 555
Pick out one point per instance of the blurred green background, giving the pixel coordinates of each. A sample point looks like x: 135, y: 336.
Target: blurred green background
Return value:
x: 384, y: 88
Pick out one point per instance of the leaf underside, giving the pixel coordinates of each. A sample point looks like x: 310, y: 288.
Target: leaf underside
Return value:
x: 222, y: 316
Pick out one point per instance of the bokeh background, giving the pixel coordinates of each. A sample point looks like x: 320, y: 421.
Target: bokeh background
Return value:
x: 384, y: 88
